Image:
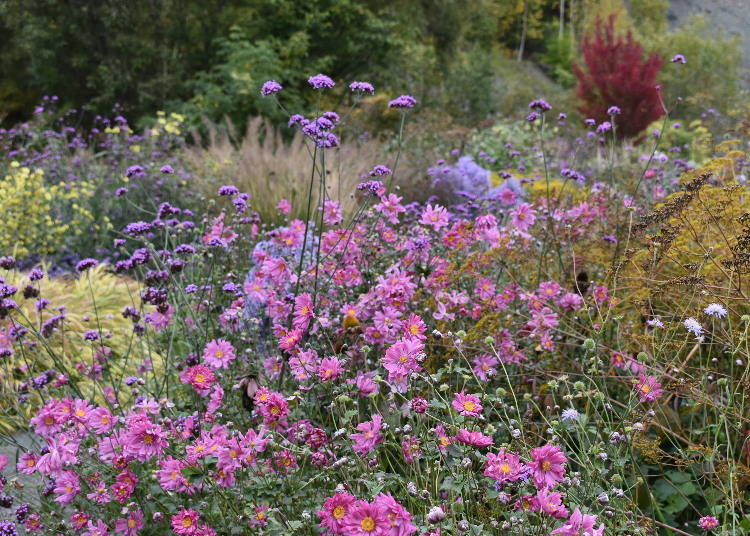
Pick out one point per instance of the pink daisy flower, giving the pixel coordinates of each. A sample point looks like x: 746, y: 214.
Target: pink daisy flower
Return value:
x: 504, y: 467
x: 369, y: 436
x: 548, y: 465
x: 579, y: 524
x: 218, y: 354
x: 435, y: 216
x: 185, y: 522
x: 648, y: 388
x: 334, y: 511
x: 367, y: 519
x: 475, y: 439
x: 467, y: 405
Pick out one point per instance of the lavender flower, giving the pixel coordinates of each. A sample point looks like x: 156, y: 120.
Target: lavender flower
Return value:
x: 320, y: 81
x: 678, y: 58
x: 540, y: 105
x: 693, y: 326
x: 404, y: 101
x: 86, y: 264
x: 379, y: 171
x: 715, y: 309
x: 228, y: 190
x: 270, y: 88
x: 362, y: 87
x: 613, y: 110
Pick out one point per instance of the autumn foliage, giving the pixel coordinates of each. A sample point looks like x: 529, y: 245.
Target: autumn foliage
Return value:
x: 615, y: 73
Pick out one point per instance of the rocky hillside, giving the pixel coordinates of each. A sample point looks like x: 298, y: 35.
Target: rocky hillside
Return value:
x: 732, y: 16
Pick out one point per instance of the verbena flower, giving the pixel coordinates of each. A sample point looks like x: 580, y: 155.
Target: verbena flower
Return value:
x: 269, y: 88
x: 320, y: 81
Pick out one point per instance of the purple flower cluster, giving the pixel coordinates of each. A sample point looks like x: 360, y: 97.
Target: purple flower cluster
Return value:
x: 404, y: 101
x: 270, y: 87
x: 321, y: 81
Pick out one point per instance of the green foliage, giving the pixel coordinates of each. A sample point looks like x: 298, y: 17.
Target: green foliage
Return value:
x: 710, y: 79
x: 560, y: 55
x: 100, y: 52
x: 290, y: 41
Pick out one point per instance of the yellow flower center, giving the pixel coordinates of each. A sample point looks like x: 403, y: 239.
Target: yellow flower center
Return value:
x: 339, y: 512
x: 469, y: 405
x: 367, y: 524
x: 402, y: 359
x: 505, y: 468
x: 187, y: 522
x: 546, y: 465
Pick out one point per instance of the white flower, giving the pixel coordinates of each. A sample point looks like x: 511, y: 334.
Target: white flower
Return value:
x: 714, y: 309
x: 570, y: 414
x: 693, y: 326
x: 655, y: 323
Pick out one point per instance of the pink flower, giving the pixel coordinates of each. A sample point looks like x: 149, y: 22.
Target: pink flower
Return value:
x: 218, y: 354
x: 185, y: 522
x: 475, y: 439
x: 330, y: 368
x: 550, y: 503
x: 435, y: 217
x: 484, y: 366
x: 648, y: 388
x: 200, y: 377
x: 98, y: 529
x: 523, y: 217
x: 467, y: 405
x: 367, y: 519
x: 548, y: 465
x: 219, y: 233
x: 170, y: 475
x: 144, y: 439
x: 364, y: 382
x: 402, y: 358
x: 303, y: 311
x: 579, y: 524
x: 504, y: 467
x: 443, y: 439
x: 399, y: 519
x: 369, y: 437
x: 27, y: 463
x: 284, y: 206
x: 130, y: 525
x: 410, y: 448
x: 708, y: 522
x: 67, y: 486
x: 260, y: 519
x: 100, y: 420
x: 335, y: 510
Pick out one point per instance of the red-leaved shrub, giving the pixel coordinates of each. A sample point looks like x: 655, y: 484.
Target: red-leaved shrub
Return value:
x: 617, y: 75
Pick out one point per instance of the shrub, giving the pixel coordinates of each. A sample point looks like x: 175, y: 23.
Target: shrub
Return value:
x: 39, y: 217
x: 616, y: 74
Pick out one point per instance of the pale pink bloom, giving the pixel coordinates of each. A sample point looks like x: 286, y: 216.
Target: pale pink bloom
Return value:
x: 284, y: 206
x: 369, y: 436
x: 435, y: 216
x: 218, y: 354
x: 523, y: 217
x: 579, y: 524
